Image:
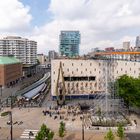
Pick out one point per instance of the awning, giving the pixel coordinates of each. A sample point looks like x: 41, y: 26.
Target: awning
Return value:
x: 34, y: 92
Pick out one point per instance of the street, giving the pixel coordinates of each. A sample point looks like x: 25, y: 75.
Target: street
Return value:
x: 133, y: 136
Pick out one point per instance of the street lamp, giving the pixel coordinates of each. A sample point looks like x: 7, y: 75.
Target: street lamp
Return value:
x: 11, y: 121
x: 83, y: 136
x: 11, y: 125
x: 1, y: 90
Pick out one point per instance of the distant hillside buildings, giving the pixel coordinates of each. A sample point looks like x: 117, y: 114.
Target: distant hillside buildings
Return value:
x: 69, y: 43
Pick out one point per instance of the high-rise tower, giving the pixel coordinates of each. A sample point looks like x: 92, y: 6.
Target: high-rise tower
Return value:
x: 69, y: 43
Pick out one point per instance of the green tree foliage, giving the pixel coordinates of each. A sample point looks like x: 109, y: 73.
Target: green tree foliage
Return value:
x: 109, y: 135
x: 129, y: 90
x: 44, y: 133
x: 120, y: 132
x: 62, y: 130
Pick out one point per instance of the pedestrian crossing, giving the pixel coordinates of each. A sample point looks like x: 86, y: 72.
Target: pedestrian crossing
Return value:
x: 29, y: 134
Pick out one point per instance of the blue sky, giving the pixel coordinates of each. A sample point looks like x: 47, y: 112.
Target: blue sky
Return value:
x: 102, y: 23
x: 39, y: 11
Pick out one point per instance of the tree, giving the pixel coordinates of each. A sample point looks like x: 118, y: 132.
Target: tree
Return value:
x: 50, y: 135
x: 44, y: 133
x: 129, y: 90
x: 109, y: 135
x: 39, y: 136
x: 120, y: 132
x: 62, y: 130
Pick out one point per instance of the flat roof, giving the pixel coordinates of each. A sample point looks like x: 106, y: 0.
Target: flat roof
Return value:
x: 34, y: 91
x: 34, y: 85
x: 8, y: 60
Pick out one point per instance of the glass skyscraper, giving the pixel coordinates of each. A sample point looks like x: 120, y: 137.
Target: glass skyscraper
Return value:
x: 69, y: 43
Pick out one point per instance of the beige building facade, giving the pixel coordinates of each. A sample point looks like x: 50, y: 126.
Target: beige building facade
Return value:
x: 41, y: 58
x: 87, y: 77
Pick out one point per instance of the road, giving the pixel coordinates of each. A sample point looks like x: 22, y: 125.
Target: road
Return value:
x: 133, y: 136
x: 48, y: 101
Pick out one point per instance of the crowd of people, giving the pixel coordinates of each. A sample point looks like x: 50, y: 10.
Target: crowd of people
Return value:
x: 64, y: 112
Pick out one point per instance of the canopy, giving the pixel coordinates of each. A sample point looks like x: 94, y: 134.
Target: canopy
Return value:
x: 34, y: 91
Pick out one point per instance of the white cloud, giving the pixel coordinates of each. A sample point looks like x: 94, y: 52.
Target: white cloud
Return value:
x: 102, y: 23
x: 14, y: 16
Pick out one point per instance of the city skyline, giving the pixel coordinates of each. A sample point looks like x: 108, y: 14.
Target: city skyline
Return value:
x: 100, y: 25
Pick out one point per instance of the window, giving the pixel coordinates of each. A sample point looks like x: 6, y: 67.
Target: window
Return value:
x: 72, y: 72
x: 90, y: 64
x: 54, y: 72
x: 121, y: 69
x: 125, y: 63
x: 63, y: 64
x: 77, y: 69
x: 94, y: 69
x: 81, y: 72
x: 130, y: 69
x: 81, y: 64
x: 72, y: 64
x: 86, y: 69
x: 92, y: 78
x: 99, y: 64
x: 134, y: 71
x: 68, y: 70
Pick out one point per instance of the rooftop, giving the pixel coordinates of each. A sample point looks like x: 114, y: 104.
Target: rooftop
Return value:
x: 8, y: 60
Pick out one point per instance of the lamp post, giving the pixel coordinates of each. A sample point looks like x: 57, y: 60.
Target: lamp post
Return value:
x: 1, y: 90
x: 83, y: 136
x: 11, y: 125
x: 11, y: 121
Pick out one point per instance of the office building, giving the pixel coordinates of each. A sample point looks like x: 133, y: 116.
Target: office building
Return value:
x: 52, y: 55
x: 110, y: 49
x: 126, y: 45
x: 138, y: 41
x: 86, y: 78
x: 69, y: 43
x: 41, y: 58
x: 10, y: 70
x: 23, y: 49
